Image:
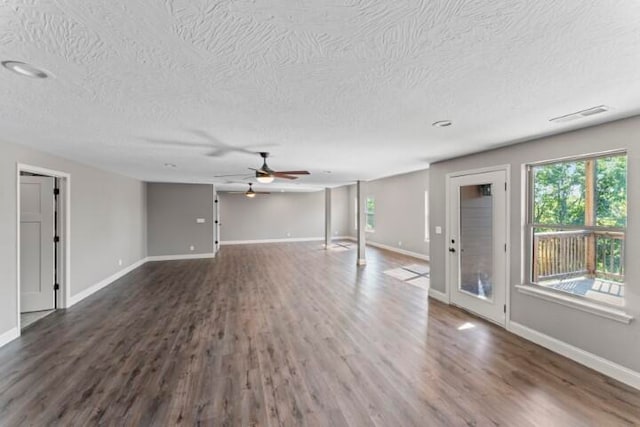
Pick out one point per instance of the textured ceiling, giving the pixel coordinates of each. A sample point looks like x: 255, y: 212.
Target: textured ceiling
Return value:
x: 346, y: 86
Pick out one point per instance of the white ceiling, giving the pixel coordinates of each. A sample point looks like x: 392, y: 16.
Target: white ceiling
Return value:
x: 350, y: 86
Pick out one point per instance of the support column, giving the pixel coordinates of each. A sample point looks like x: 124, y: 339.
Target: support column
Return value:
x: 361, y: 224
x: 327, y: 218
x: 590, y: 215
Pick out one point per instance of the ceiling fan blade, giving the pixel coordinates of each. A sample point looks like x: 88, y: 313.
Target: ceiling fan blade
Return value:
x: 284, y: 175
x: 224, y: 176
x: 294, y: 172
x: 262, y: 192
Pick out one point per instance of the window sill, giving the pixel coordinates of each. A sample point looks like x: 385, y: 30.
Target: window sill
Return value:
x: 577, y: 303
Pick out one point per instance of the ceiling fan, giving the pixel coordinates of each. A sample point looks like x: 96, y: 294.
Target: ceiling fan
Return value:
x: 249, y: 193
x: 266, y: 175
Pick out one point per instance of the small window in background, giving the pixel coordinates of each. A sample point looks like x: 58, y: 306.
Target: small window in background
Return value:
x: 426, y: 216
x: 370, y: 214
x: 355, y: 210
x: 577, y: 225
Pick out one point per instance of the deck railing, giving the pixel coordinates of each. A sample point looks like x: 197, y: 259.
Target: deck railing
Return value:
x: 566, y: 254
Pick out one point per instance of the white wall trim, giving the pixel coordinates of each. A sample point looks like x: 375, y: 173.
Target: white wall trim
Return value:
x: 398, y: 250
x: 177, y: 257
x: 74, y: 299
x: 9, y: 336
x: 597, y: 363
x: 389, y: 248
x: 439, y: 296
x: 286, y: 240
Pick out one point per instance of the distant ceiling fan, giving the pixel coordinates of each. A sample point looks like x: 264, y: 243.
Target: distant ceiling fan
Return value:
x: 249, y: 193
x: 266, y: 175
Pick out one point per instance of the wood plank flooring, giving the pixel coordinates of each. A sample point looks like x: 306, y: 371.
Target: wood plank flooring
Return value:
x: 289, y: 334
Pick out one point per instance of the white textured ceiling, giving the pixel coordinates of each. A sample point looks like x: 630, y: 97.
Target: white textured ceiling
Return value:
x: 349, y: 86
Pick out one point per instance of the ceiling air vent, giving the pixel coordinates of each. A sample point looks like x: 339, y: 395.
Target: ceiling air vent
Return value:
x: 580, y: 114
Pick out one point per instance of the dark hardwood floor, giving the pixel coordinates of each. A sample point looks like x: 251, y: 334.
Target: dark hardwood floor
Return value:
x: 289, y: 334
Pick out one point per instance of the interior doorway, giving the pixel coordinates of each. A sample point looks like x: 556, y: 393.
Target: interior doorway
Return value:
x: 477, y: 229
x: 42, y: 242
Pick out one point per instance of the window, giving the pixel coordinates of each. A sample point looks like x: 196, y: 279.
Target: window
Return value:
x: 370, y: 213
x: 426, y: 216
x: 577, y: 222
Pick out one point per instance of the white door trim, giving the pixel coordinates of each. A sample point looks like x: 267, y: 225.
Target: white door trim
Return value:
x: 65, y: 192
x: 498, y: 168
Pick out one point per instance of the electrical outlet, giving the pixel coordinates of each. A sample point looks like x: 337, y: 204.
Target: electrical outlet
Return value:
x: 288, y: 234
x: 120, y: 262
x: 400, y: 243
x: 191, y: 247
x: 438, y: 230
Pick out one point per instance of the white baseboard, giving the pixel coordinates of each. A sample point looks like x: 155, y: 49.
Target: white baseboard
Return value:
x: 177, y: 257
x: 10, y: 335
x: 74, y: 299
x: 286, y: 240
x: 400, y: 251
x: 390, y: 248
x: 597, y: 363
x: 439, y: 296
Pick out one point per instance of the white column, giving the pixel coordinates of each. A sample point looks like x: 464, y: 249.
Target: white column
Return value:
x: 361, y: 224
x: 327, y: 218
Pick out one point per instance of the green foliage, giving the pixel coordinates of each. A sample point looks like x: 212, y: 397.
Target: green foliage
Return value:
x: 559, y: 192
x: 611, y: 191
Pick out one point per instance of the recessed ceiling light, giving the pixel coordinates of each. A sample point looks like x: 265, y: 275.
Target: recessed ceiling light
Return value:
x: 442, y: 123
x: 24, y: 69
x: 169, y: 165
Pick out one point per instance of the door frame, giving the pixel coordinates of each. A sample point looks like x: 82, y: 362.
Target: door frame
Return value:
x: 506, y: 168
x: 64, y: 220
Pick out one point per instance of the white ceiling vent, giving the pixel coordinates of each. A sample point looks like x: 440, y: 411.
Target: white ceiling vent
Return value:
x: 580, y: 114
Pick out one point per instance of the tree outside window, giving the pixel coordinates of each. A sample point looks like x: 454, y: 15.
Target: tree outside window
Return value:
x: 577, y: 220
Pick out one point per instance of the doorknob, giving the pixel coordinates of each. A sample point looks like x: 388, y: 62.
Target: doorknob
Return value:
x: 452, y: 250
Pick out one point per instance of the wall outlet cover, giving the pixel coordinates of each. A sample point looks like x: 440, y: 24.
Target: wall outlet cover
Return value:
x: 438, y: 230
x: 191, y: 247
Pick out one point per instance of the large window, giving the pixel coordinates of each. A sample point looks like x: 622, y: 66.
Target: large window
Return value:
x: 370, y: 212
x: 577, y: 223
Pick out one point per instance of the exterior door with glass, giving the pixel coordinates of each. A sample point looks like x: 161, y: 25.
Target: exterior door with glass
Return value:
x: 477, y: 243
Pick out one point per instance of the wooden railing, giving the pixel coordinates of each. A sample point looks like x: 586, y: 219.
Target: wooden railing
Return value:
x: 566, y: 254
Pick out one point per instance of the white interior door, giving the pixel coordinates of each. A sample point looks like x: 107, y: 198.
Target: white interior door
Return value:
x: 477, y: 238
x: 36, y: 243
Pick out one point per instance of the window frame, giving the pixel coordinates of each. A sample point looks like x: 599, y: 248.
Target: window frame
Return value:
x: 427, y: 234
x: 532, y: 287
x: 368, y: 213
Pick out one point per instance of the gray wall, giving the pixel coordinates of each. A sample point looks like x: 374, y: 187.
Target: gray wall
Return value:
x: 399, y: 211
x: 272, y: 216
x: 606, y: 338
x: 340, y: 197
x: 172, y: 210
x: 107, y: 223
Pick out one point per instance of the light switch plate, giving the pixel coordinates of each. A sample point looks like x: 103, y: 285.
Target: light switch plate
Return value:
x: 200, y: 220
x: 438, y: 230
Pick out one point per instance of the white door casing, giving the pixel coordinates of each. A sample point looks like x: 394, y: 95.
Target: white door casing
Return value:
x: 477, y: 243
x: 36, y: 243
